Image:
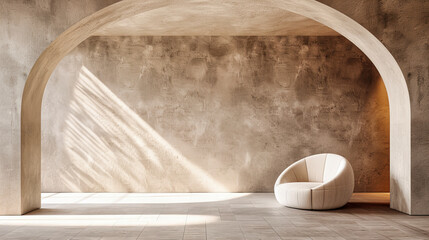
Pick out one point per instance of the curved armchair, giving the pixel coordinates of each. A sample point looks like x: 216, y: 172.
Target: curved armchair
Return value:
x: 319, y: 182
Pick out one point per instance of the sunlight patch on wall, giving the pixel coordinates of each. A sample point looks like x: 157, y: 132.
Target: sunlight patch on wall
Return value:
x: 108, y: 142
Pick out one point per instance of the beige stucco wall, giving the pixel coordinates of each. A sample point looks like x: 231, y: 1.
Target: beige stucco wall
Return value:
x: 227, y: 113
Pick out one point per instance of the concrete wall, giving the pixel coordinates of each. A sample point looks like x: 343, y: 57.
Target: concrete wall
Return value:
x: 180, y: 114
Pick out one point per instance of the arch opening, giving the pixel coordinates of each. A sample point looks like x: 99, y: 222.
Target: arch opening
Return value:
x: 388, y: 68
x: 234, y: 106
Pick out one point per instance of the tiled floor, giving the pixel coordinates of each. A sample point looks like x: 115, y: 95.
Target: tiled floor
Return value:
x: 206, y: 216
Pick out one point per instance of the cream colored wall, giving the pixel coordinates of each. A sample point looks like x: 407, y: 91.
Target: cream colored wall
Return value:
x: 209, y: 114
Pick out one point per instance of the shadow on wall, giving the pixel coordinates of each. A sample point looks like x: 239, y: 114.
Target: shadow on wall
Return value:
x: 122, y: 140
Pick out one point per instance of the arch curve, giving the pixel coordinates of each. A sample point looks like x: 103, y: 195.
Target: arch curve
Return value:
x: 399, y: 101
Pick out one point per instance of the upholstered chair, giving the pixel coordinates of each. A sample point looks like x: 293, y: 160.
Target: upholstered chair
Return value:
x: 319, y: 182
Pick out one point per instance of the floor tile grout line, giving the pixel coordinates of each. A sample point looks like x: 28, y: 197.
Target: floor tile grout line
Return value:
x: 412, y: 228
x: 272, y: 227
x: 141, y: 232
x: 186, y: 223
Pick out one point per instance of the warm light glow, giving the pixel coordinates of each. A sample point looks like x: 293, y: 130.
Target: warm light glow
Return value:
x: 370, y: 198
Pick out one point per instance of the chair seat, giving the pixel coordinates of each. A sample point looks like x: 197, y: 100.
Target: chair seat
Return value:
x: 296, y: 194
x: 299, y: 185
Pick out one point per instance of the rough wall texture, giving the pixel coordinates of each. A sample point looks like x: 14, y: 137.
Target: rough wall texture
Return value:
x: 162, y: 114
x: 403, y: 26
x: 26, y: 29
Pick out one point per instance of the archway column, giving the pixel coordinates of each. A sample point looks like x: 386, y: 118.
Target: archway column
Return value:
x: 393, y: 78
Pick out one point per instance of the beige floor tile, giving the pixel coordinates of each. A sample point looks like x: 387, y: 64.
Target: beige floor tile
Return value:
x: 205, y: 216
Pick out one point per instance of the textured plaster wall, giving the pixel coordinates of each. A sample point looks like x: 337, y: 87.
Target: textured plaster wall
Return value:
x: 403, y: 26
x: 162, y: 114
x: 26, y: 29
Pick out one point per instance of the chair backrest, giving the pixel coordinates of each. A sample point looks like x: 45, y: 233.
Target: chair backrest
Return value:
x: 334, y: 164
x: 323, y: 167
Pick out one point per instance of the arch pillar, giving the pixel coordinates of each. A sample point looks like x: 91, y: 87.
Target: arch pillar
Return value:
x: 399, y: 101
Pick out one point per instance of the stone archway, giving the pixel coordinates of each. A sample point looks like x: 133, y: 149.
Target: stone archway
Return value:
x: 399, y: 102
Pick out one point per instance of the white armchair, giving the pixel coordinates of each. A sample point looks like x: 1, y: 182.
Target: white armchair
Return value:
x: 319, y: 182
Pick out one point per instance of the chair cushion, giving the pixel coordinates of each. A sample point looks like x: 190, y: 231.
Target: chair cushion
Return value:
x: 296, y: 194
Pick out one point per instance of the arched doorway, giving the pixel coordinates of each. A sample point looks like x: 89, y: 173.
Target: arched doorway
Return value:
x: 388, y: 68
